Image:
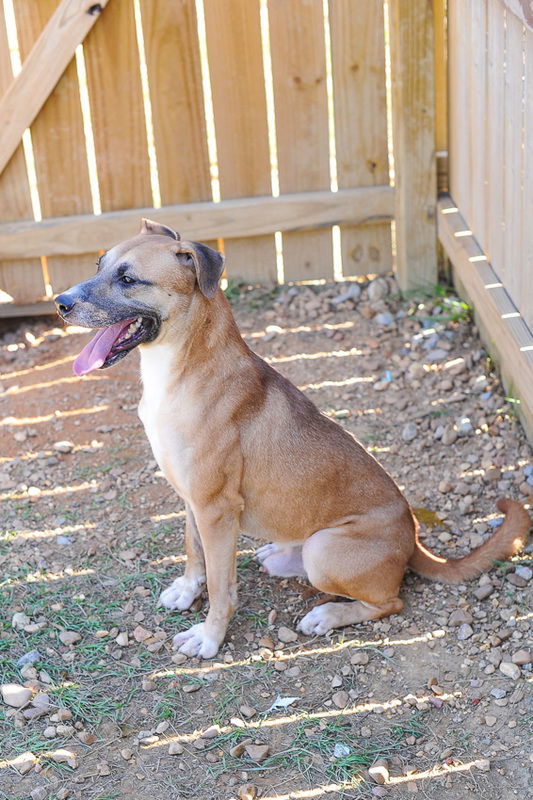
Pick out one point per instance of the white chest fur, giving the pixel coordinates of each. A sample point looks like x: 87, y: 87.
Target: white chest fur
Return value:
x: 160, y: 413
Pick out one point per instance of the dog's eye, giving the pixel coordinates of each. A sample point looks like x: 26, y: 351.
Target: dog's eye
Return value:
x: 126, y: 279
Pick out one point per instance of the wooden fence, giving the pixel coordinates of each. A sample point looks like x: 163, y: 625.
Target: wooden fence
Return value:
x: 486, y: 223
x: 255, y: 124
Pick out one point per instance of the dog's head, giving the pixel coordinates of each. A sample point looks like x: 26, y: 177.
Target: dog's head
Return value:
x: 139, y: 285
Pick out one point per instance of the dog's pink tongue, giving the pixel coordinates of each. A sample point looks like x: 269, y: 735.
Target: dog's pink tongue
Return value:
x: 95, y: 353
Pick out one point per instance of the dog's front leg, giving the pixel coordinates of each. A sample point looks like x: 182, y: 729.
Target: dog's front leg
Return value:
x: 182, y: 592
x: 218, y: 533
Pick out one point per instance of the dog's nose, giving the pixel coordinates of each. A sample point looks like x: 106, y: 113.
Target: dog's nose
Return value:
x: 65, y: 303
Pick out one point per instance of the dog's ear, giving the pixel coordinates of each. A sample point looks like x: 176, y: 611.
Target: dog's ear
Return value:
x: 208, y: 265
x: 148, y: 226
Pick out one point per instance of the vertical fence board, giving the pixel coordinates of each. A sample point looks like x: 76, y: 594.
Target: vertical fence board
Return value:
x: 458, y: 49
x: 175, y: 81
x: 513, y: 122
x: 239, y: 105
x: 477, y: 116
x: 23, y: 279
x: 494, y: 132
x: 113, y: 77
x: 526, y: 216
x: 300, y: 99
x: 58, y: 139
x: 413, y: 113
x: 360, y: 109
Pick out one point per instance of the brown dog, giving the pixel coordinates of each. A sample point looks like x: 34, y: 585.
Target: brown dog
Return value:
x: 247, y: 451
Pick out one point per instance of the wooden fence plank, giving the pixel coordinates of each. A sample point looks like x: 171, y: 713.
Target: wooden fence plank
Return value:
x: 58, y: 139
x: 513, y: 124
x: 300, y: 99
x: 358, y: 71
x: 21, y: 279
x: 526, y: 216
x: 239, y: 105
x: 204, y: 221
x: 113, y: 76
x: 44, y: 65
x: 494, y: 166
x: 477, y: 117
x: 175, y: 81
x: 458, y: 49
x: 413, y: 110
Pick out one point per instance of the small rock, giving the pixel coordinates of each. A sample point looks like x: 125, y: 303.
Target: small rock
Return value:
x: 359, y: 658
x: 458, y: 617
x: 175, y: 749
x: 247, y: 792
x: 437, y: 354
x: 490, y: 721
x: 483, y: 764
x: 24, y: 762
x: 341, y: 699
x: 498, y: 693
x: 32, y: 657
x: 465, y: 632
x: 524, y: 572
x: 63, y: 756
x: 521, y: 657
x: 385, y: 318
x: 148, y: 685
x: 86, y: 737
x: 39, y: 793
x: 377, y: 289
x: 482, y: 592
x: 445, y: 487
x: 189, y: 688
x: 211, y: 733
x: 19, y: 620
x: 62, y: 793
x: 379, y: 771
x: 61, y: 715
x: 516, y: 580
x: 127, y: 754
x: 69, y: 637
x: 63, y: 447
x: 286, y: 636
x: 140, y: 634
x: 49, y: 732
x: 122, y: 639
x: 257, y: 752
x: 449, y: 435
x: 510, y: 670
x: 247, y: 711
x: 237, y: 750
x: 409, y: 432
x: 15, y: 695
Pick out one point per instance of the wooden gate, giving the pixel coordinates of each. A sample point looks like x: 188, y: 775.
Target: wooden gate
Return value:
x: 259, y: 125
x: 486, y: 223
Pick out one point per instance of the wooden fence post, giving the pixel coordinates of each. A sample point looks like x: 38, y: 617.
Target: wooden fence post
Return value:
x: 413, y: 118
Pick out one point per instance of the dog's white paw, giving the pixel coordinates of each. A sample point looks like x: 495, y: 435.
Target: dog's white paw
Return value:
x: 196, y: 642
x: 317, y: 622
x: 181, y: 594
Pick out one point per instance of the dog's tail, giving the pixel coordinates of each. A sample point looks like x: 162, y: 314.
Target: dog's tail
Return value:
x: 508, y: 540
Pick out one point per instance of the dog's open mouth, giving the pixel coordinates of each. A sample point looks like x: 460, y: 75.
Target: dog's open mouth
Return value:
x: 113, y: 343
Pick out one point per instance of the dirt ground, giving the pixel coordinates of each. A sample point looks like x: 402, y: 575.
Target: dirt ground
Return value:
x: 91, y: 533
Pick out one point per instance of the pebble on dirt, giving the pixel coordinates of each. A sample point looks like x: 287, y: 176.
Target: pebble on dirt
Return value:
x: 15, y: 695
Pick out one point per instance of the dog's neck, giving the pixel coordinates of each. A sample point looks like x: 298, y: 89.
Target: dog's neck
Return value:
x: 195, y: 341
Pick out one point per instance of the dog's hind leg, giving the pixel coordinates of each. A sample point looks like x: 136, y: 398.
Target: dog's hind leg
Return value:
x: 367, y: 569
x: 182, y: 593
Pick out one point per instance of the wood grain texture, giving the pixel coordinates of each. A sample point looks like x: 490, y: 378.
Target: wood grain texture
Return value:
x: 58, y: 139
x: 300, y: 99
x: 21, y: 279
x: 44, y: 65
x: 113, y: 76
x: 233, y: 34
x: 360, y: 111
x: 526, y: 215
x: 508, y: 339
x: 413, y: 109
x: 176, y: 96
x: 512, y: 183
x: 201, y: 221
x: 477, y: 120
x: 494, y: 165
x: 458, y: 49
